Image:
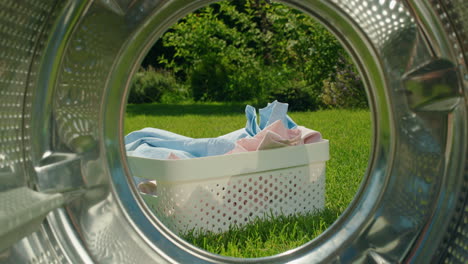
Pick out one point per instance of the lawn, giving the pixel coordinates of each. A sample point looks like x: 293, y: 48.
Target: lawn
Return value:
x: 349, y: 132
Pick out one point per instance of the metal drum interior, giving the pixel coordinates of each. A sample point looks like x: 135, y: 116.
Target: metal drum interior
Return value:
x: 65, y: 196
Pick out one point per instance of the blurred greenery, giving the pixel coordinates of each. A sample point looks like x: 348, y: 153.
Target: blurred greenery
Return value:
x: 249, y: 50
x: 150, y: 85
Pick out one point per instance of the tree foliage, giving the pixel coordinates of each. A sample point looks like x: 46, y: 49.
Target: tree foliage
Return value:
x: 251, y: 50
x: 345, y: 88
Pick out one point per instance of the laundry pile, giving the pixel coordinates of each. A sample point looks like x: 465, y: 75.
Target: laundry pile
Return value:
x: 275, y: 129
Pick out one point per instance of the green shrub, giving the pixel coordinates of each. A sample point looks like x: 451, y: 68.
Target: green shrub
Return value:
x: 249, y: 82
x: 297, y: 94
x: 250, y: 50
x: 180, y: 94
x: 209, y: 79
x: 287, y: 85
x: 344, y: 89
x: 216, y: 78
x: 151, y: 85
x: 215, y: 58
x: 234, y: 51
x: 304, y: 45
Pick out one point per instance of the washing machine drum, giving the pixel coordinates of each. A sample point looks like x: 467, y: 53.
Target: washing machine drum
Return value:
x: 65, y: 195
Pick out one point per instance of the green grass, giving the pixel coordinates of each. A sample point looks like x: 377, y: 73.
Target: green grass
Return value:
x: 263, y: 237
x: 192, y: 120
x: 349, y: 133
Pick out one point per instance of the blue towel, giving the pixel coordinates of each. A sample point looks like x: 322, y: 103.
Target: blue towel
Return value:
x: 268, y: 115
x: 158, y: 144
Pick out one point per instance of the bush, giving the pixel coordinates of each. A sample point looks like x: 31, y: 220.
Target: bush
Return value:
x: 215, y: 58
x: 209, y: 79
x: 150, y: 86
x: 251, y: 50
x: 297, y: 94
x: 304, y: 45
x: 226, y: 50
x: 180, y: 94
x: 216, y: 78
x: 345, y: 89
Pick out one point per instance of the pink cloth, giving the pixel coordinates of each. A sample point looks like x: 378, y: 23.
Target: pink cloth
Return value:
x: 273, y: 136
x: 276, y: 135
x: 309, y: 135
x: 173, y: 156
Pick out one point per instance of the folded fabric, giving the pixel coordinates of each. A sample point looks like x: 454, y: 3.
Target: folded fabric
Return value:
x: 276, y: 135
x: 309, y: 136
x: 271, y: 113
x: 160, y: 144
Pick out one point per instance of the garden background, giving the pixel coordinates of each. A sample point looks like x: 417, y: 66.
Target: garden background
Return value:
x: 249, y: 51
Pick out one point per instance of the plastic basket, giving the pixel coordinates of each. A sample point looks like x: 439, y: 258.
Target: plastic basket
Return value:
x: 213, y: 193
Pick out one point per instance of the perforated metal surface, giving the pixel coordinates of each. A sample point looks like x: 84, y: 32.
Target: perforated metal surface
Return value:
x: 454, y: 16
x: 37, y: 249
x: 458, y: 245
x: 77, y: 118
x: 23, y: 34
x: 93, y: 46
x: 85, y: 67
x: 380, y: 19
x: 21, y: 23
x: 107, y: 245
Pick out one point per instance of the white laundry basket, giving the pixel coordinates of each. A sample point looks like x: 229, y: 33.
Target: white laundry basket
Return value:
x: 213, y: 193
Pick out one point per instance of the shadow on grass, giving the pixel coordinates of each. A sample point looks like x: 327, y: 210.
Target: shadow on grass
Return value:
x: 224, y: 109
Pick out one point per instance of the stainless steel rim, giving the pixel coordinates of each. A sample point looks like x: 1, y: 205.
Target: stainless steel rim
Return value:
x: 73, y: 99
